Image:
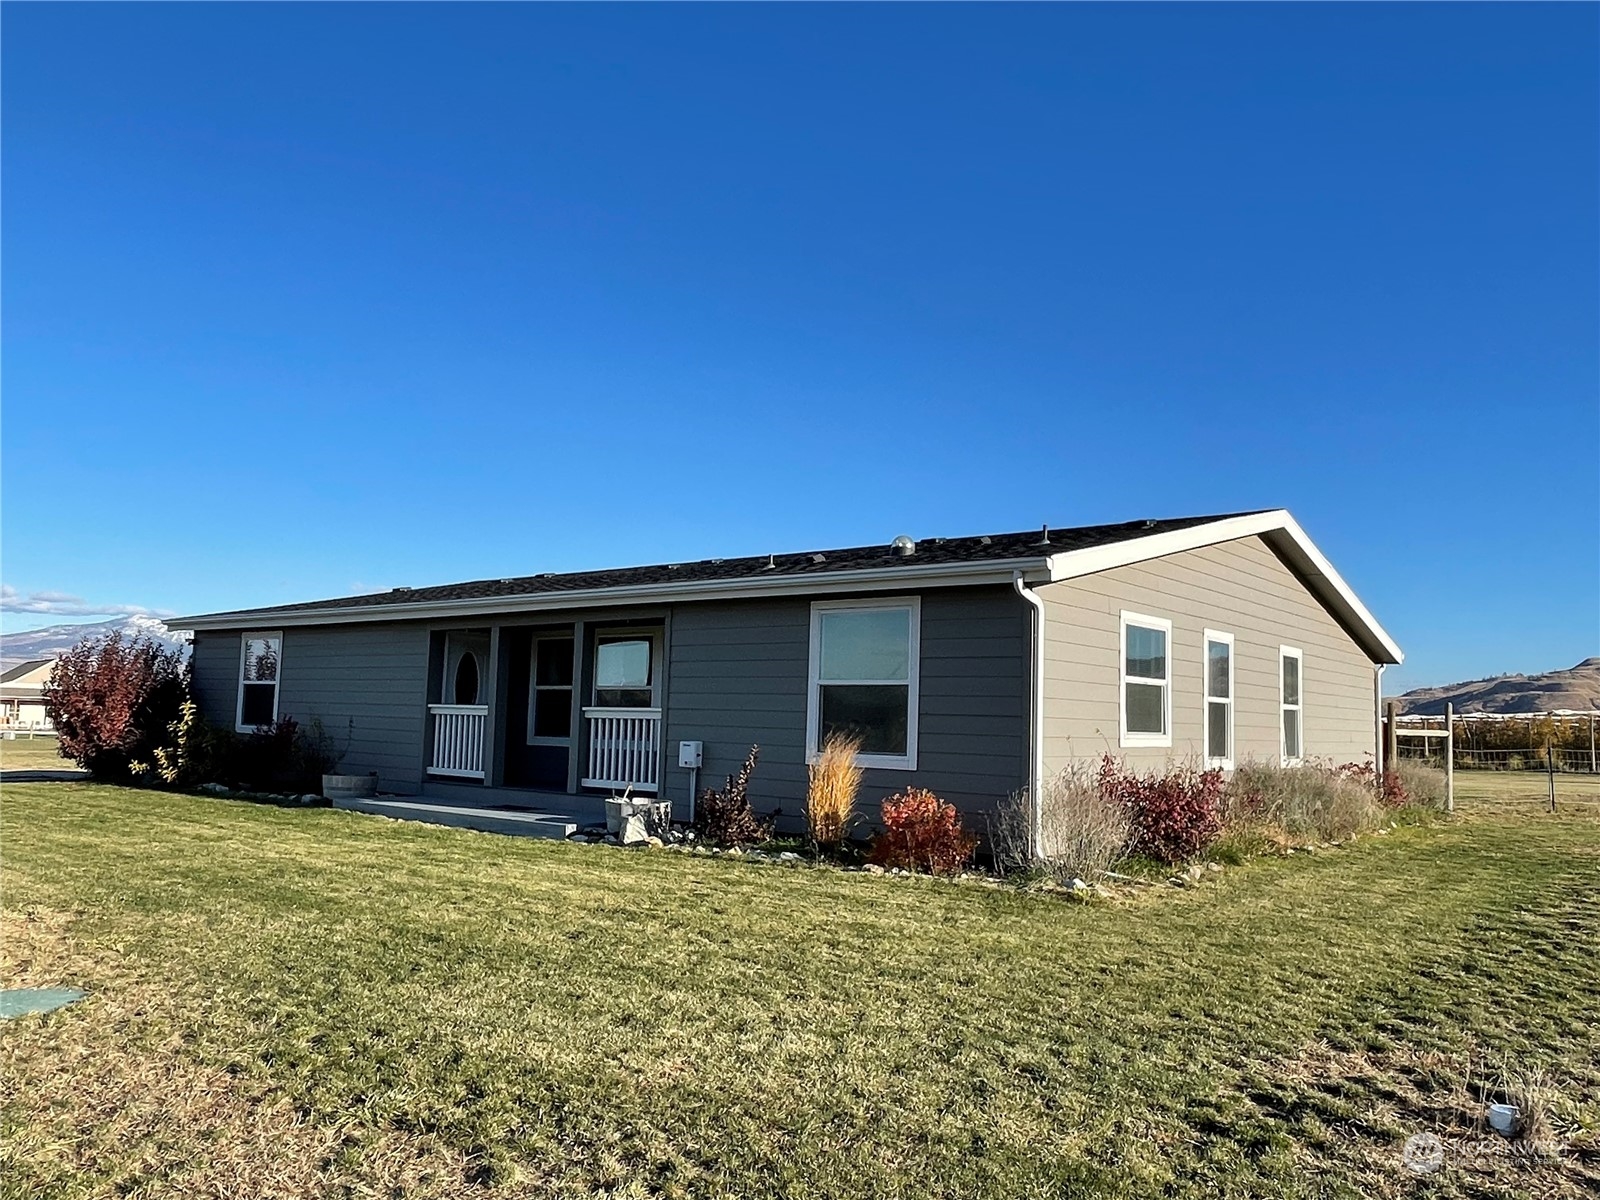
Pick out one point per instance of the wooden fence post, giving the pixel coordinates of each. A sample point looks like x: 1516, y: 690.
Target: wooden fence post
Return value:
x: 1391, y: 739
x: 1592, y: 767
x: 1450, y: 758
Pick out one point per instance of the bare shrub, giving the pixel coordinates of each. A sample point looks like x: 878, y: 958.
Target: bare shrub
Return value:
x: 835, y: 779
x: 1420, y: 784
x: 1306, y: 801
x: 726, y: 817
x: 1082, y: 832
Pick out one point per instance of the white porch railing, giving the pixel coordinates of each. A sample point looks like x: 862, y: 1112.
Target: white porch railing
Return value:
x: 624, y: 748
x: 458, y: 731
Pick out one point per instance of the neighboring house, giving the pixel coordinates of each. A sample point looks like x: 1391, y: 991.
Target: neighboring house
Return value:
x: 968, y: 665
x: 22, y: 695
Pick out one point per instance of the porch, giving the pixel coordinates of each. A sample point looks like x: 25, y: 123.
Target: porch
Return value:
x: 519, y: 813
x: 571, y: 711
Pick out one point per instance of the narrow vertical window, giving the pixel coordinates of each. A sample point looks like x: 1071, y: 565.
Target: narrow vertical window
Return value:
x: 1146, y: 681
x: 550, y: 713
x: 1219, y: 699
x: 1290, y: 685
x: 259, y: 659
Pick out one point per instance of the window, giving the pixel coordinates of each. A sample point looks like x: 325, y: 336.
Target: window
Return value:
x: 466, y: 654
x: 550, y: 706
x: 467, y: 678
x: 1219, y: 699
x: 259, y: 659
x: 1146, y: 681
x: 623, y: 674
x: 863, y: 678
x: 1289, y: 685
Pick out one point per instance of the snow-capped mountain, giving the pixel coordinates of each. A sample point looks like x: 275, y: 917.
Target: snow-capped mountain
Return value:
x: 55, y: 640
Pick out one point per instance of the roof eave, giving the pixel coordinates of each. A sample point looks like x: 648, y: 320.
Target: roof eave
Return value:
x: 1034, y: 570
x: 1282, y: 532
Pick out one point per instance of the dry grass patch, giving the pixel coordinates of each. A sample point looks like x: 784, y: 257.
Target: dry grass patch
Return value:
x: 103, y: 1099
x: 1358, y: 1107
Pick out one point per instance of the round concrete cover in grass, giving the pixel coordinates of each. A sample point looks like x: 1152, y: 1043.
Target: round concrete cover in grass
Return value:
x: 17, y: 1002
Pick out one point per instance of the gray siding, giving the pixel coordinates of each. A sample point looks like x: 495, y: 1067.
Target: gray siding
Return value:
x: 738, y: 676
x: 735, y: 675
x: 367, y: 683
x: 1238, y: 587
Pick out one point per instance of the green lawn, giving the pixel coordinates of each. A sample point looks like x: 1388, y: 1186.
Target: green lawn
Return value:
x: 32, y: 754
x: 306, y: 1002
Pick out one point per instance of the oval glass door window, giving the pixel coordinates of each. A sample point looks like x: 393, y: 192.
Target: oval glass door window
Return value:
x: 467, y: 679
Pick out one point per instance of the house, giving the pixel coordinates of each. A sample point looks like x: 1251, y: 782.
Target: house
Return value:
x: 22, y: 695
x: 970, y: 666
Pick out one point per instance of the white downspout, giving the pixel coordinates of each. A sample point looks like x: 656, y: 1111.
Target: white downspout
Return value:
x: 1377, y: 720
x: 1035, y: 717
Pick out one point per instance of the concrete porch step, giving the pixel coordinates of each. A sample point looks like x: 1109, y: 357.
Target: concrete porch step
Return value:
x: 486, y: 820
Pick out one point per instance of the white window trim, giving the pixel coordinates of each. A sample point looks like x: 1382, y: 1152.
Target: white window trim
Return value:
x: 1295, y: 653
x: 887, y: 762
x: 1125, y: 739
x: 277, y: 684
x: 1207, y: 699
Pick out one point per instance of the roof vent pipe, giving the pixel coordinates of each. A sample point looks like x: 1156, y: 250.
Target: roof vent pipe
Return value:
x: 903, y: 547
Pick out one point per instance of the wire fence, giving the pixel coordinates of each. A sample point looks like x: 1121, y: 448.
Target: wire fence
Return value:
x: 1562, y: 759
x: 1564, y: 742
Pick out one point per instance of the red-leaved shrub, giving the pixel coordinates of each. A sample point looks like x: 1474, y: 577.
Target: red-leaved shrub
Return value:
x: 922, y: 833
x: 1174, y: 816
x: 112, y: 699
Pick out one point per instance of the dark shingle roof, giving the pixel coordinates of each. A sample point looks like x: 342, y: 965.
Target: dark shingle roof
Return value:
x: 21, y: 669
x: 930, y: 552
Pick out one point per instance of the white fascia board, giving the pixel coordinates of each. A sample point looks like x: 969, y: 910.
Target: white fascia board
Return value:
x: 908, y: 578
x: 1284, y: 534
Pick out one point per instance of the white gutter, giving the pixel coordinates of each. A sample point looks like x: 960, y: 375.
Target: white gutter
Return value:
x: 1035, y: 719
x: 874, y: 580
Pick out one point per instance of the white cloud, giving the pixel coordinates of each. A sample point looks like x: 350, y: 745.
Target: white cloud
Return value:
x: 61, y: 604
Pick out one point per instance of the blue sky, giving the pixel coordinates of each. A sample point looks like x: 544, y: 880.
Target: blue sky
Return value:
x: 307, y: 299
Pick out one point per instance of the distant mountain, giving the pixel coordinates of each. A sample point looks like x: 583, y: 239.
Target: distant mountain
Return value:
x: 1575, y: 688
x: 55, y: 640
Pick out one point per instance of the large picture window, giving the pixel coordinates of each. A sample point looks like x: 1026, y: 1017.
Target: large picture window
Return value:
x: 260, y: 658
x: 1219, y: 699
x: 863, y: 678
x: 1146, y: 680
x: 1290, y: 685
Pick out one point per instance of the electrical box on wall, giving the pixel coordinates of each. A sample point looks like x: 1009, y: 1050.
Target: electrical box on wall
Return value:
x: 690, y: 754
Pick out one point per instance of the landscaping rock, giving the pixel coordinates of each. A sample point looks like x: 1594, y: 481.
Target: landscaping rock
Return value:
x: 654, y: 843
x: 788, y: 856
x: 215, y: 789
x: 872, y: 869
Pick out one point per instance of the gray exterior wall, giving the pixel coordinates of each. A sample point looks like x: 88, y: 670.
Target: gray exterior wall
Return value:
x: 1238, y: 587
x: 365, y: 682
x: 738, y: 675
x: 735, y: 674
